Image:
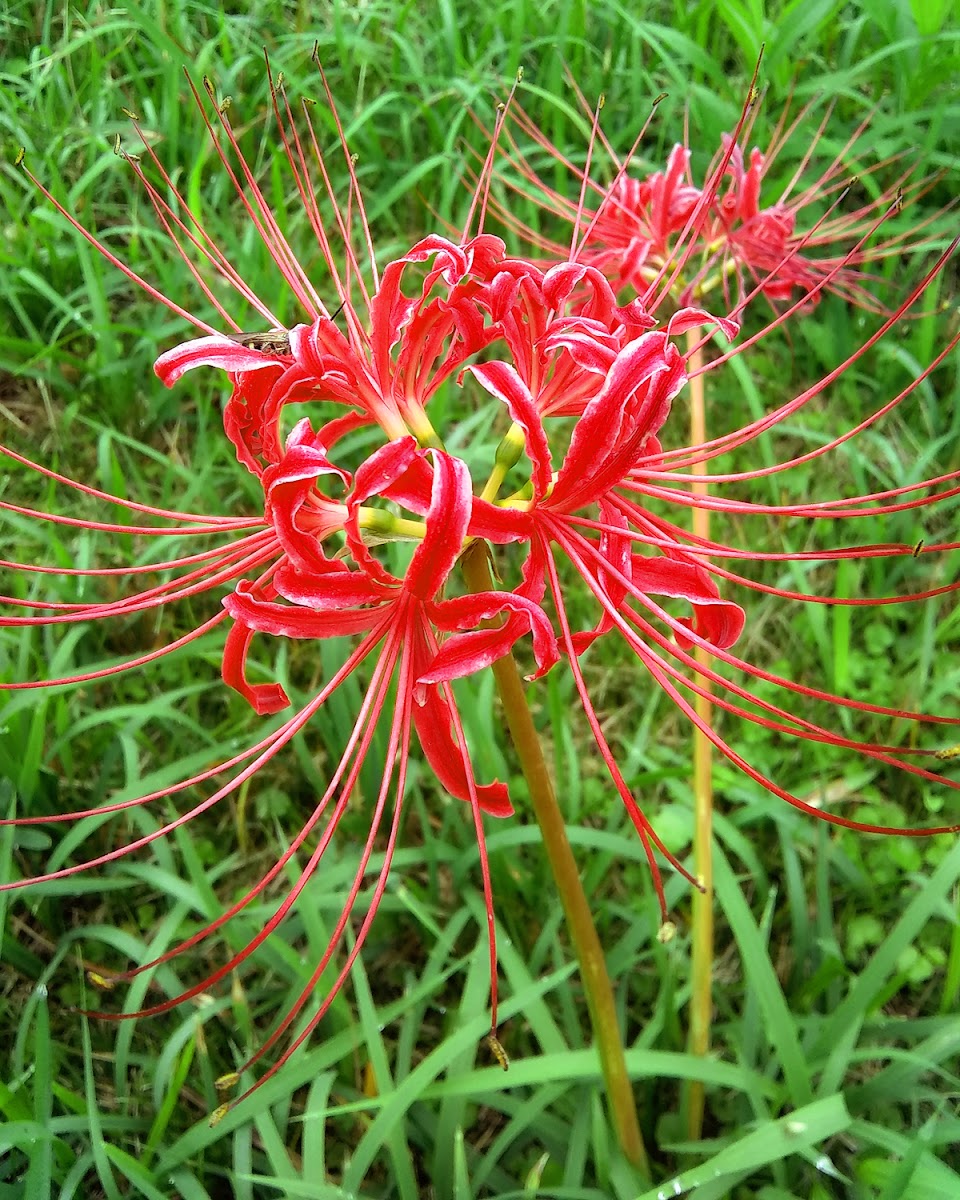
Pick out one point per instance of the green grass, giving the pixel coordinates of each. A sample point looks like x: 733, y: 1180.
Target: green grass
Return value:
x: 838, y: 969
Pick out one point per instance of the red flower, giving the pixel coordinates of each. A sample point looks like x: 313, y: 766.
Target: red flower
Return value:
x: 616, y: 465
x: 308, y: 568
x: 671, y: 240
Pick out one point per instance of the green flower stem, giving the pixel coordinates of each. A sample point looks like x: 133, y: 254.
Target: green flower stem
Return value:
x: 701, y: 931
x: 576, y: 907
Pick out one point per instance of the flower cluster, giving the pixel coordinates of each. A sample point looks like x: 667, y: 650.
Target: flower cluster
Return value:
x: 670, y: 240
x: 581, y: 382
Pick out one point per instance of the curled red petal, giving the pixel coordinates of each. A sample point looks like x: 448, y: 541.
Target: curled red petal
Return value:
x: 467, y: 652
x: 719, y: 621
x: 264, y: 698
x: 691, y: 318
x: 503, y: 381
x: 301, y: 515
x: 383, y: 468
x: 243, y: 414
x: 214, y: 351
x: 590, y: 344
x: 446, y: 521
x: 374, y: 477
x: 287, y: 620
x: 434, y: 726
x: 334, y: 591
x: 632, y: 405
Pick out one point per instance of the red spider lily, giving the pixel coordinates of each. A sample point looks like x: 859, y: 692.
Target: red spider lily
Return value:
x: 619, y: 427
x: 718, y: 236
x: 383, y: 371
x: 584, y: 381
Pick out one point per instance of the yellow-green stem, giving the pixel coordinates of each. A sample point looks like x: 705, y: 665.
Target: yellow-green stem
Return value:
x: 593, y: 966
x: 701, y: 969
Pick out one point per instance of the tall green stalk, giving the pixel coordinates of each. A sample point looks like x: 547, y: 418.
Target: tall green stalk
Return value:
x: 701, y: 968
x: 576, y: 907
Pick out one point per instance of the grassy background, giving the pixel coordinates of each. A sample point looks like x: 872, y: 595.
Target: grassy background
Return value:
x: 838, y: 970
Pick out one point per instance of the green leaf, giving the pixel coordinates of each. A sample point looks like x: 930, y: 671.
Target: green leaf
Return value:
x: 771, y: 1142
